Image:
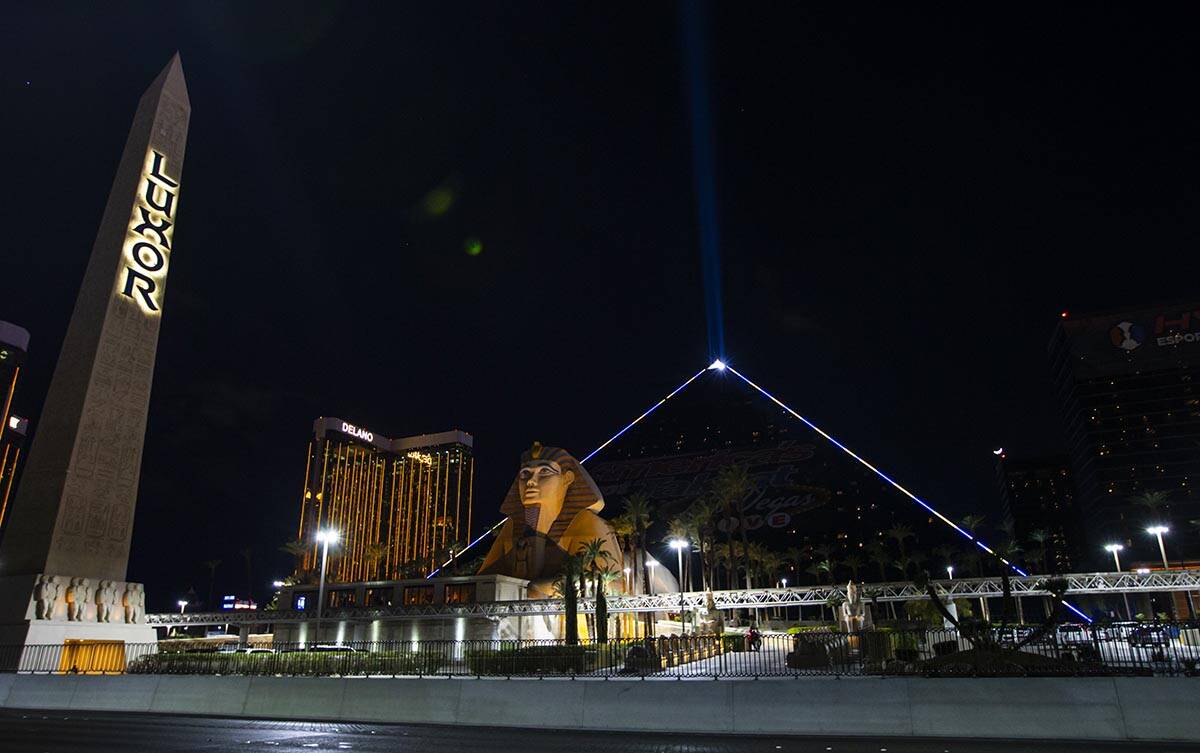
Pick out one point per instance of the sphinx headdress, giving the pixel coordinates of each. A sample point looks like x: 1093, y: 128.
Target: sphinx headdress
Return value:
x: 582, y: 494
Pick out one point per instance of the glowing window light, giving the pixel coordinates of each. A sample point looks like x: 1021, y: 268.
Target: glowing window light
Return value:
x: 891, y: 481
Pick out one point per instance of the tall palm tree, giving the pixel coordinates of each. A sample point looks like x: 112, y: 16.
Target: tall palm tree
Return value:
x: 854, y: 561
x: 877, y: 552
x: 247, y: 553
x: 703, y: 516
x: 1153, y: 502
x: 298, y: 551
x: 946, y: 555
x: 971, y: 524
x: 899, y: 533
x: 375, y: 554
x: 571, y: 566
x: 680, y: 528
x: 638, y: 508
x: 595, y: 557
x: 1042, y: 539
x: 731, y: 486
x: 212, y: 566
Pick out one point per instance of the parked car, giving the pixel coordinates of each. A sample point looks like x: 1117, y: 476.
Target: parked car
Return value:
x: 1150, y: 635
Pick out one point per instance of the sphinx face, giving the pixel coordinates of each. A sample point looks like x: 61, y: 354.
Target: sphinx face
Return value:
x: 544, y: 483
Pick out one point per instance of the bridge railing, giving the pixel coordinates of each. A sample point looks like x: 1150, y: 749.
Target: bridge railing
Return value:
x: 1159, y: 649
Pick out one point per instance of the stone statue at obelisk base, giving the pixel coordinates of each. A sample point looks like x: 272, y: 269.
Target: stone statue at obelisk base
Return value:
x: 65, y: 551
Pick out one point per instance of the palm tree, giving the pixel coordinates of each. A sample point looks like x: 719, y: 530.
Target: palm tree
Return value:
x: 1154, y: 502
x: 946, y: 555
x: 247, y: 553
x: 878, y: 553
x: 899, y: 533
x: 374, y: 554
x: 679, y: 528
x: 1041, y: 538
x: 570, y: 600
x: 298, y: 551
x: 702, y: 514
x: 595, y: 557
x: 637, y: 507
x: 853, y: 561
x: 212, y: 566
x: 971, y: 524
x: 731, y: 487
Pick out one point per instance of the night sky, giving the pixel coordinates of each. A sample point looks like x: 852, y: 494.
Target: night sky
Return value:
x: 906, y: 202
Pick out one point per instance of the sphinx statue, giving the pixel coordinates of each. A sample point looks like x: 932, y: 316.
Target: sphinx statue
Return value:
x: 551, y: 512
x: 856, y: 614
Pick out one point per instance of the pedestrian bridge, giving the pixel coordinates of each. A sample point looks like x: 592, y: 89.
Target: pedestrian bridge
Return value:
x: 1078, y: 584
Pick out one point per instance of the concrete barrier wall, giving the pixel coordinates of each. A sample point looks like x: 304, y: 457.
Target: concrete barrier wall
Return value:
x: 1065, y: 709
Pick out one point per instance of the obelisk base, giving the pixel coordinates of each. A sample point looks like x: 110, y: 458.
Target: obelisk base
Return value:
x: 64, y: 615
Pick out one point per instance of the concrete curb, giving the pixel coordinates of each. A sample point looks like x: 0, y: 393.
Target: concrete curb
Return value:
x: 1100, y: 708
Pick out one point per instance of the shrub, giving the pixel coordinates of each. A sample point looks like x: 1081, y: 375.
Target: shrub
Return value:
x: 535, y: 660
x: 291, y: 663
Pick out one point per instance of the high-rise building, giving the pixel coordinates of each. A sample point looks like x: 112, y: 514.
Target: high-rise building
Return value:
x: 1037, y: 498
x: 14, y: 343
x: 1127, y: 384
x: 397, y: 505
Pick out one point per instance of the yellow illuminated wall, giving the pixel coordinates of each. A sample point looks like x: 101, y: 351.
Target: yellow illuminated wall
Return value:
x: 396, y: 514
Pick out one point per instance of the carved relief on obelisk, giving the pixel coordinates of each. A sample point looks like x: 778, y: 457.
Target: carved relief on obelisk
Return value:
x: 73, y: 515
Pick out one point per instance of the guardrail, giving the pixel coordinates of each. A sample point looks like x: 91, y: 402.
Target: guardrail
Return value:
x: 1078, y: 584
x: 1150, y: 649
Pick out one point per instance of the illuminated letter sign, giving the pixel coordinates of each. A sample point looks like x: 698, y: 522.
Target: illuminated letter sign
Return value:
x: 148, y: 242
x: 354, y: 431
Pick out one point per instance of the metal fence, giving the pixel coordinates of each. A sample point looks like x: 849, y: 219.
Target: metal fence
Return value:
x: 1152, y: 649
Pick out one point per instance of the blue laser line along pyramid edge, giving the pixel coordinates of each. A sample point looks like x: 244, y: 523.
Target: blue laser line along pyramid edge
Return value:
x: 719, y: 365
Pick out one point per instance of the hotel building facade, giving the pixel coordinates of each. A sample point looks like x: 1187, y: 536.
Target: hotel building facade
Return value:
x: 14, y: 343
x: 397, y: 505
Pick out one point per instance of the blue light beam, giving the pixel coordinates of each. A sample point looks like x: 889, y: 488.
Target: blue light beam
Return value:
x: 890, y: 480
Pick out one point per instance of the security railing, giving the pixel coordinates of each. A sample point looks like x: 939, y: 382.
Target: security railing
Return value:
x: 1149, y: 649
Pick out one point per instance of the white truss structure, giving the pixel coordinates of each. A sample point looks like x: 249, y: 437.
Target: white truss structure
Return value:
x: 1078, y: 584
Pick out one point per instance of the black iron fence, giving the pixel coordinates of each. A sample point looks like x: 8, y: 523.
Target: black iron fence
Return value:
x: 1151, y: 649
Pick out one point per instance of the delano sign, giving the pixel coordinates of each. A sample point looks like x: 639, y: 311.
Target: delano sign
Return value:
x: 148, y: 242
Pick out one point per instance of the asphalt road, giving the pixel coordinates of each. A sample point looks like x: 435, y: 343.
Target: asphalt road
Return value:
x: 49, y: 732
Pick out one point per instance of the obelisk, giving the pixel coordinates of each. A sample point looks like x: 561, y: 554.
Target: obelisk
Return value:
x: 66, y: 548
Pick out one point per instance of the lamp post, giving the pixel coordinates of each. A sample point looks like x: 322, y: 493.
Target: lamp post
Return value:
x: 1157, y: 532
x: 324, y: 538
x: 278, y: 583
x: 950, y: 571
x: 1115, y: 550
x: 628, y: 587
x: 182, y: 605
x: 678, y: 545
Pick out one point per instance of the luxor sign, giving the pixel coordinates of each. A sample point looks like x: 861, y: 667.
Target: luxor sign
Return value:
x: 148, y: 241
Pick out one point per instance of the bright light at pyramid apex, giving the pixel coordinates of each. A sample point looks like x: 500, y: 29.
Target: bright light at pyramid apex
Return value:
x: 718, y: 364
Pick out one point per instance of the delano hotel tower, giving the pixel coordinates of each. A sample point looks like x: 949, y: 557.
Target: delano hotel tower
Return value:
x: 397, y: 504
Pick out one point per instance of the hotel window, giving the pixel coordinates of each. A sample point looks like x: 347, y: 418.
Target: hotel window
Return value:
x: 460, y: 593
x: 339, y: 598
x: 418, y: 595
x: 379, y: 597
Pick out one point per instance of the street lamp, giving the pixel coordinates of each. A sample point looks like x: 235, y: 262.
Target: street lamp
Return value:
x: 324, y: 538
x: 678, y: 545
x: 950, y: 571
x: 278, y: 583
x: 1157, y: 532
x: 783, y: 581
x: 1116, y: 549
x: 182, y: 605
x: 628, y: 587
